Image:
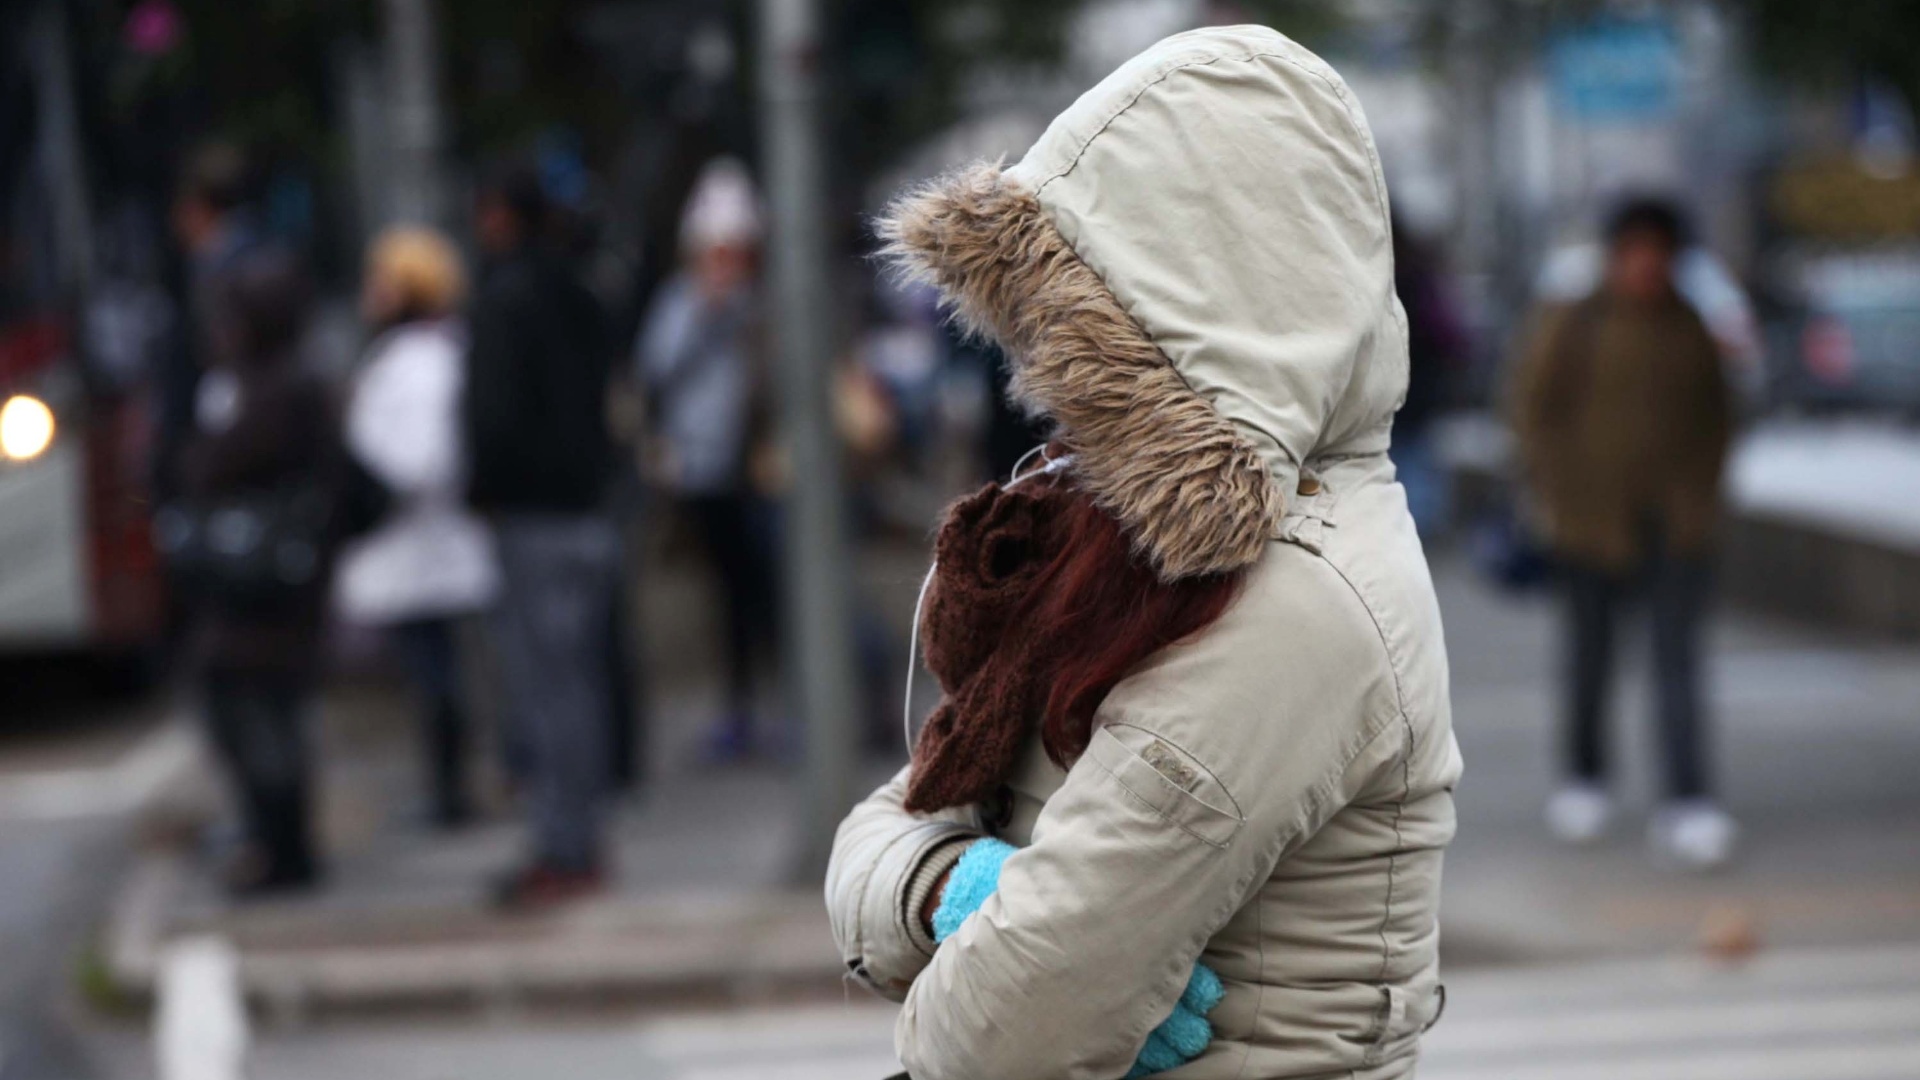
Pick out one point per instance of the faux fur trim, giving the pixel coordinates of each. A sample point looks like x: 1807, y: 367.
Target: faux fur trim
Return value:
x: 1191, y: 491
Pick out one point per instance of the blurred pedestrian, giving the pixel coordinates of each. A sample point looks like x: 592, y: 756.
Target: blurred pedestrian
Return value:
x: 215, y: 230
x: 428, y: 562
x: 1010, y: 433
x: 535, y: 414
x: 1436, y: 347
x: 1623, y: 416
x: 259, y: 472
x: 699, y: 362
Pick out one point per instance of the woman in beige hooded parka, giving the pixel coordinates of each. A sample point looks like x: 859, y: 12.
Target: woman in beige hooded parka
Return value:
x: 1192, y: 272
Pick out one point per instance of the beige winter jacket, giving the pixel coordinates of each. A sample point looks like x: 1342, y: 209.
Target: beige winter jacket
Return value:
x: 1192, y: 269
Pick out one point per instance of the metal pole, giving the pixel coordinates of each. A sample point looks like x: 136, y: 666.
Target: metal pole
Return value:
x: 818, y: 626
x: 413, y: 122
x: 64, y: 159
x: 1474, y: 73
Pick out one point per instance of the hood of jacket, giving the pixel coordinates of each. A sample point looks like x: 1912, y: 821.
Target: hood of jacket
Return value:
x: 1192, y: 271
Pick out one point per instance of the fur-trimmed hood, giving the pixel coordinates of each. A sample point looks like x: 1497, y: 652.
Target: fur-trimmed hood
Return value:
x: 1192, y: 270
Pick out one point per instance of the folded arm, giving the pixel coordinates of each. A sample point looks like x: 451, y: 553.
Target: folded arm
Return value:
x: 886, y: 863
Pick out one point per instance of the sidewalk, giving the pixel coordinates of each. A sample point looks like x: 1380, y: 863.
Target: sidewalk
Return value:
x: 709, y: 899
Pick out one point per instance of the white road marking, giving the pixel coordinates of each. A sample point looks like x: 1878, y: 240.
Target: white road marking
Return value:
x: 1841, y: 1014
x: 200, y: 1029
x: 1828, y: 1014
x: 820, y: 1043
x: 106, y: 790
x: 1630, y: 1027
x: 1839, y: 1060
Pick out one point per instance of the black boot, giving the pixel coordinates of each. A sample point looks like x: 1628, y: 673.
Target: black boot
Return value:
x: 447, y: 763
x: 282, y: 858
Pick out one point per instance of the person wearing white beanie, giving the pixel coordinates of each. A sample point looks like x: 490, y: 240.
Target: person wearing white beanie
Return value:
x: 698, y: 357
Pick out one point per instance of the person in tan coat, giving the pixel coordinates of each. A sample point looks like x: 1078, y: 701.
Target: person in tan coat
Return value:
x: 1623, y: 416
x: 1192, y: 274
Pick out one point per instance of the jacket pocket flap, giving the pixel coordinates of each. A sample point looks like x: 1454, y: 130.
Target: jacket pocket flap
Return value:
x: 1169, y: 780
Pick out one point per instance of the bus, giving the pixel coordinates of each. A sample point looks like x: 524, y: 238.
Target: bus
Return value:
x: 78, y: 571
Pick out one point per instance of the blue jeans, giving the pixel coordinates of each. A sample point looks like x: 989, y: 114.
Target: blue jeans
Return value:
x: 1429, y: 488
x: 560, y: 576
x: 1676, y: 593
x: 431, y: 648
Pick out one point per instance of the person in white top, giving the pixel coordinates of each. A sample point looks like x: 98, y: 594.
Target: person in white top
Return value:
x: 429, y: 561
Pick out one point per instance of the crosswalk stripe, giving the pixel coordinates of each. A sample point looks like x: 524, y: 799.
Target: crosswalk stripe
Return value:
x: 1849, y: 1060
x: 1855, y: 1015
x: 1831, y: 1014
x: 1836, y: 1014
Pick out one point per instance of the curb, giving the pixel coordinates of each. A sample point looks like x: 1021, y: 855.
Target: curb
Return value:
x: 600, y: 953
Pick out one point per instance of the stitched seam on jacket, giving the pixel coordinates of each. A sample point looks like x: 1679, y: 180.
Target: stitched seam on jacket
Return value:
x: 1237, y: 813
x: 1260, y: 995
x: 865, y: 882
x: 1224, y: 913
x: 1386, y: 642
x: 1173, y: 68
x: 1159, y: 813
x: 1286, y: 834
x: 1339, y: 92
x: 1393, y: 861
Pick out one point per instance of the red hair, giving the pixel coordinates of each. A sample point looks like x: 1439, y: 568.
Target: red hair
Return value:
x: 1105, y: 611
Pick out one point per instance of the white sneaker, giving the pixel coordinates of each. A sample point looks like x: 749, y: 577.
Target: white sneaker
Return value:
x: 1580, y: 813
x: 1695, y: 833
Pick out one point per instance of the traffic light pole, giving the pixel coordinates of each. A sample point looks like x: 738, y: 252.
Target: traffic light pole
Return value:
x: 818, y: 620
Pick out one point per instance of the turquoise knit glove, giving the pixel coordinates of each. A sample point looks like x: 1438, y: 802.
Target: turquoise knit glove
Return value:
x: 1179, y: 1039
x: 1184, y: 1035
x: 974, y: 878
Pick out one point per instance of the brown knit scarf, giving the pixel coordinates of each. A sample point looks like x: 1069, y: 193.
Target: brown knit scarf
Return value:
x: 993, y: 668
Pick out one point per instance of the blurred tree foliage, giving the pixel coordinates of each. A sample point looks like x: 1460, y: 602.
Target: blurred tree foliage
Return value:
x: 261, y: 71
x: 255, y: 72
x: 512, y: 68
x: 903, y: 64
x: 1841, y: 38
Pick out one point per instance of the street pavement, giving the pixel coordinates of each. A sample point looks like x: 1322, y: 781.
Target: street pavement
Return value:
x: 1839, y: 1014
x: 1816, y: 737
x: 73, y: 761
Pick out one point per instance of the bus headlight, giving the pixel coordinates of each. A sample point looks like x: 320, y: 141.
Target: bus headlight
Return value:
x: 26, y: 427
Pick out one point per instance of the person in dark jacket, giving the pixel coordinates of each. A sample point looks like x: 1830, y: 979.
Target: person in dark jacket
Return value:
x: 263, y: 431
x: 535, y: 413
x: 210, y: 220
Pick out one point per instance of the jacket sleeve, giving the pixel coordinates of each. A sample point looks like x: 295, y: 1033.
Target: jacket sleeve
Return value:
x: 885, y: 863
x: 1208, y: 767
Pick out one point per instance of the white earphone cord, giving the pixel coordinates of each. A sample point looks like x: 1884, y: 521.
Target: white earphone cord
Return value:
x: 1052, y: 465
